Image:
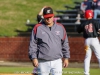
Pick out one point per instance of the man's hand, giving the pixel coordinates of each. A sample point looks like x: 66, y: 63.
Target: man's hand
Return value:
x: 35, y: 62
x: 65, y: 62
x: 99, y: 31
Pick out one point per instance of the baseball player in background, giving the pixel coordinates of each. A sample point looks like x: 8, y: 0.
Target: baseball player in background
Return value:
x: 90, y: 31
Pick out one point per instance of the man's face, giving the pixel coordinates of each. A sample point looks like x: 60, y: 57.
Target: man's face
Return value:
x: 49, y: 20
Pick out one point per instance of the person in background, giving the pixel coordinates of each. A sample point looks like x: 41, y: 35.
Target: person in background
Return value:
x: 96, y: 8
x: 94, y: 4
x: 49, y: 46
x: 90, y: 30
x: 85, y: 5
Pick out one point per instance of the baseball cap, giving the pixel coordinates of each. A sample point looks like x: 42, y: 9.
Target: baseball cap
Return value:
x: 48, y: 12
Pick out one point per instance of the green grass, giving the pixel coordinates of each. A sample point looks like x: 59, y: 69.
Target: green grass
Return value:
x: 14, y: 13
x: 66, y: 71
x: 13, y: 70
x: 80, y: 71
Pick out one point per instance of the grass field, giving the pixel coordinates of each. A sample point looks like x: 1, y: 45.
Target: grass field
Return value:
x: 28, y: 70
x: 14, y: 13
x: 16, y: 70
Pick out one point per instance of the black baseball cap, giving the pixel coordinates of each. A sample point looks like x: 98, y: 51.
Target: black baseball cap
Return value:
x: 48, y: 12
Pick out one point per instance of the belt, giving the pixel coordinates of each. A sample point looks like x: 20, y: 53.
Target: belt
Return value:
x: 92, y: 37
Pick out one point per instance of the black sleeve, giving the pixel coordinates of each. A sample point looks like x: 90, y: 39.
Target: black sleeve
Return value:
x: 39, y: 18
x: 97, y: 25
x: 79, y: 29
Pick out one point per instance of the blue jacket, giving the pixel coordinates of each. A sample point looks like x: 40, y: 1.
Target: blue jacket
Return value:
x: 49, y: 44
x: 96, y: 5
x: 86, y: 5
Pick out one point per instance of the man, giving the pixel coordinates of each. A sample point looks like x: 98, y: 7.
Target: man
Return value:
x: 49, y: 45
x: 94, y: 4
x: 96, y: 8
x: 90, y: 31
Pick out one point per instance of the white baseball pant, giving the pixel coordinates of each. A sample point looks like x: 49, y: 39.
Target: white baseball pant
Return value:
x: 50, y: 67
x: 91, y: 44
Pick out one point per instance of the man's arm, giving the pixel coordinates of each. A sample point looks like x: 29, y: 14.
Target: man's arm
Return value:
x: 82, y: 7
x: 99, y: 31
x: 40, y: 15
x: 65, y: 50
x: 79, y: 29
x: 65, y: 62
x: 33, y: 49
x: 97, y: 26
x: 39, y: 18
